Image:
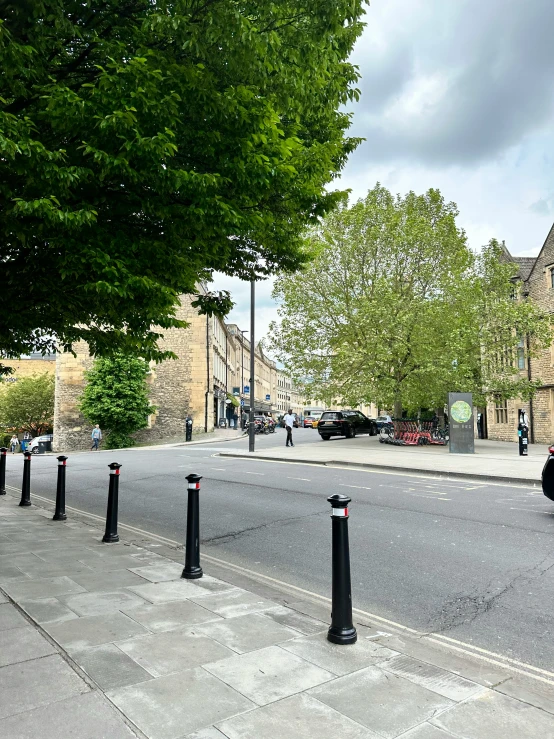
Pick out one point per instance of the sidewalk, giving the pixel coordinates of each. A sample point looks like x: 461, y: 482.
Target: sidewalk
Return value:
x: 493, y: 460
x: 108, y: 642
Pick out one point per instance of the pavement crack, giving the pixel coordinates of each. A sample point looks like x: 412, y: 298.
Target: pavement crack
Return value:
x: 232, y: 535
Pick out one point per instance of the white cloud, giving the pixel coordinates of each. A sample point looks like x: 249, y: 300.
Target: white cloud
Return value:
x: 456, y: 95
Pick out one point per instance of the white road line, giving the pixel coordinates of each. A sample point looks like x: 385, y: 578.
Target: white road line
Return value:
x: 219, y: 469
x: 254, y: 473
x: 358, y: 487
x: 494, y: 658
x: 305, y: 479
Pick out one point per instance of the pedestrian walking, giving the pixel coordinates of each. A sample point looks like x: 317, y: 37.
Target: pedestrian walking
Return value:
x: 289, y: 420
x: 96, y: 437
x: 235, y: 420
x: 14, y: 442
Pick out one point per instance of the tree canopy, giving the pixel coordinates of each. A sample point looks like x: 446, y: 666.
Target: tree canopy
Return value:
x: 396, y: 309
x: 28, y: 404
x: 146, y: 143
x: 116, y: 398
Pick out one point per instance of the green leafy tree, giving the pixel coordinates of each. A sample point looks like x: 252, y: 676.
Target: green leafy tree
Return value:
x: 395, y: 309
x: 145, y: 144
x: 116, y: 398
x: 28, y: 404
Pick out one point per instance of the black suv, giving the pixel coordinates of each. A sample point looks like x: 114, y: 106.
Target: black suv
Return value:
x: 345, y: 423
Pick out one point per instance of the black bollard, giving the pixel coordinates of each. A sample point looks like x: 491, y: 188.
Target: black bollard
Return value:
x: 3, y: 452
x: 59, y: 514
x: 192, y: 569
x: 111, y: 535
x: 188, y: 429
x: 26, y: 485
x: 342, y: 629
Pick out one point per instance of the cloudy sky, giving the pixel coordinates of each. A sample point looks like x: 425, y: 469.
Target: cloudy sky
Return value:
x: 458, y: 95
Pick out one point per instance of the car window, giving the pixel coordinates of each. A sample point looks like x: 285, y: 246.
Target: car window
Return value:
x: 330, y: 416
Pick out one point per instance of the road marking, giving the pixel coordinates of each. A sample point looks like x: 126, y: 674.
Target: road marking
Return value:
x: 305, y: 479
x: 443, y: 477
x: 532, y: 509
x: 219, y: 469
x: 254, y: 473
x: 359, y: 487
x: 468, y: 649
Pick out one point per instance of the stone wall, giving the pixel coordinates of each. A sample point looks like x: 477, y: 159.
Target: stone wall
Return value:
x: 177, y: 387
x: 29, y: 367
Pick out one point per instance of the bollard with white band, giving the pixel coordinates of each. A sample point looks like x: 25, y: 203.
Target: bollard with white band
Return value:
x: 342, y: 630
x: 26, y: 484
x: 59, y: 513
x: 111, y: 536
x: 3, y: 452
x: 192, y: 569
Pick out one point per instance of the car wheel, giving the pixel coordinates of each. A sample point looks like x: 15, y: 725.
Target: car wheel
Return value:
x: 373, y: 431
x: 34, y: 450
x: 325, y: 437
x: 348, y: 432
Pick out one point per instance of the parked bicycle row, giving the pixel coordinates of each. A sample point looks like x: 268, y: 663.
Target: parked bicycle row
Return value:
x: 414, y: 433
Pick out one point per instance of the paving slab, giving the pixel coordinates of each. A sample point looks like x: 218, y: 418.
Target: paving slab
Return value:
x: 160, y: 572
x: 268, y: 674
x: 427, y: 731
x: 176, y: 705
x: 22, y: 644
x: 47, y: 610
x: 40, y: 569
x: 165, y: 592
x: 340, y: 660
x: 491, y: 715
x: 10, y: 617
x: 170, y: 616
x: 90, y: 631
x: 109, y: 667
x: 41, y: 588
x: 476, y: 670
x: 80, y: 717
x: 108, y: 564
x: 105, y: 581
x: 232, y: 603
x: 246, y: 633
x: 530, y: 691
x: 28, y: 685
x: 3, y: 598
x: 304, y: 624
x: 8, y: 574
x: 433, y: 678
x: 383, y: 702
x: 210, y: 733
x: 93, y: 604
x: 173, y: 651
x: 301, y: 717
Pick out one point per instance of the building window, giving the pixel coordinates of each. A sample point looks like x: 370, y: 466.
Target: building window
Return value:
x: 551, y: 277
x: 521, y: 355
x: 501, y: 411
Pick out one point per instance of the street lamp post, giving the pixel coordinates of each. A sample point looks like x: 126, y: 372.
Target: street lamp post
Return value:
x: 241, y: 395
x: 251, y: 430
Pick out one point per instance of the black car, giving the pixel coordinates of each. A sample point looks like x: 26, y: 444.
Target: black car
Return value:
x: 547, y: 478
x: 345, y: 423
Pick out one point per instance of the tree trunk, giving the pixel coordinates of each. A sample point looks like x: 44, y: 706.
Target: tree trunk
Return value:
x: 398, y: 406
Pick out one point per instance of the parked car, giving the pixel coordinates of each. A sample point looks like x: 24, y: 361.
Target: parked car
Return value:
x: 548, y: 475
x: 382, y: 420
x: 308, y: 422
x: 346, y: 423
x: 33, y: 444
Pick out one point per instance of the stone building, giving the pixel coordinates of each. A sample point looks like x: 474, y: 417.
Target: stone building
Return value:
x: 33, y: 364
x: 207, y: 381
x: 536, y: 280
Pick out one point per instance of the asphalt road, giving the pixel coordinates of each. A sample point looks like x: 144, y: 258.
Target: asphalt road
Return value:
x: 472, y: 561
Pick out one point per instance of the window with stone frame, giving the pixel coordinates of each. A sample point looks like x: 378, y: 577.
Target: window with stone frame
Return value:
x: 501, y: 411
x: 521, y: 354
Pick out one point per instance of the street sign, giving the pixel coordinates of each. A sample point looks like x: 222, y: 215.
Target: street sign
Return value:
x: 246, y: 389
x: 268, y: 397
x: 236, y: 391
x: 461, y: 424
x: 242, y: 403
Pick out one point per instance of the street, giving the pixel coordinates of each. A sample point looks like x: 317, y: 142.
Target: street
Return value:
x: 473, y: 561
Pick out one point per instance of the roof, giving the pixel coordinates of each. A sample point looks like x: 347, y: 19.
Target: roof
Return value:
x: 525, y: 264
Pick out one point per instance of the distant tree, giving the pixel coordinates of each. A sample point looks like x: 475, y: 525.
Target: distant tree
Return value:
x: 116, y: 397
x: 396, y: 309
x: 145, y: 144
x: 28, y: 404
